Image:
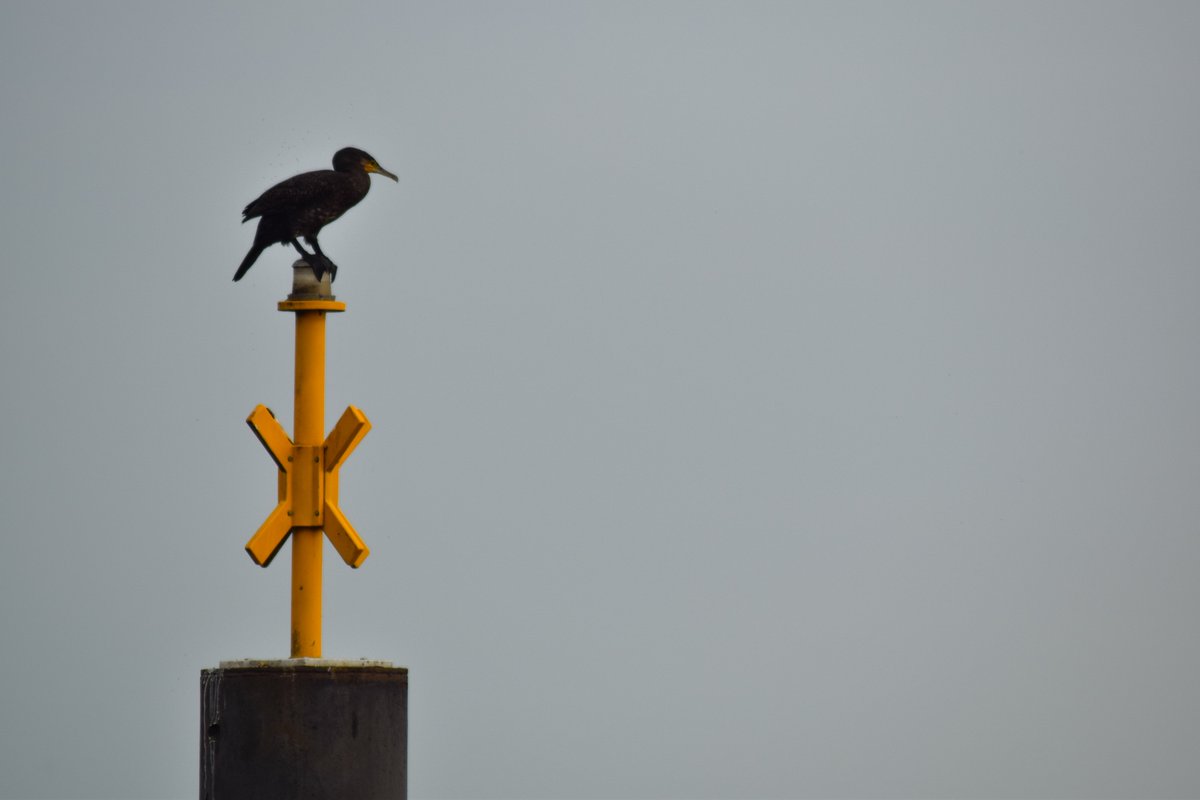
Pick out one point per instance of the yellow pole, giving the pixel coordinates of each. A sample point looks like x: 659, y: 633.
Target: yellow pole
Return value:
x: 308, y: 464
x: 308, y: 541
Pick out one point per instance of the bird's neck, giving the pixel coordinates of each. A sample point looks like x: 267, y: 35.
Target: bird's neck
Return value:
x: 360, y: 180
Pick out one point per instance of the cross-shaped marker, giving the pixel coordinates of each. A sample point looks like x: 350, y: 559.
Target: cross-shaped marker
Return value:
x: 308, y: 486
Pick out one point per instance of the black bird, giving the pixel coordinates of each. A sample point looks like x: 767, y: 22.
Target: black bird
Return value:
x: 302, y: 205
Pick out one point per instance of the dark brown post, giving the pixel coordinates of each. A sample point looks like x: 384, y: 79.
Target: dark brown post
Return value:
x: 304, y: 729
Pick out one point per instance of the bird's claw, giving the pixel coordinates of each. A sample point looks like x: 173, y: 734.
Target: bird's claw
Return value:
x: 321, y: 265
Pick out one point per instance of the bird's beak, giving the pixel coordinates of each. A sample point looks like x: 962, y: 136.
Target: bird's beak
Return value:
x: 381, y: 171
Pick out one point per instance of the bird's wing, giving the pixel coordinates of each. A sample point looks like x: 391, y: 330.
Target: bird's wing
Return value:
x: 288, y: 196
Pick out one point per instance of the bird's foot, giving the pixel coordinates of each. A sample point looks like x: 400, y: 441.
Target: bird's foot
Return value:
x: 321, y: 265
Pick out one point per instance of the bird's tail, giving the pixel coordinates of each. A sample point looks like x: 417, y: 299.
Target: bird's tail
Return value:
x: 249, y: 260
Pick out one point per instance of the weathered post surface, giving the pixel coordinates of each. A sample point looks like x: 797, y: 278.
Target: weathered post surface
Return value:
x: 305, y: 728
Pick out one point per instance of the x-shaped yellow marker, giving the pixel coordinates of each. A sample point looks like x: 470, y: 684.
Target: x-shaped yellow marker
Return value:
x: 308, y: 486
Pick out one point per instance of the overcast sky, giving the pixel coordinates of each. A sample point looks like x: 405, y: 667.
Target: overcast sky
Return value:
x: 770, y: 400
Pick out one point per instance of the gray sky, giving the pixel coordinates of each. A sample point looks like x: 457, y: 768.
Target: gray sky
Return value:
x: 771, y: 400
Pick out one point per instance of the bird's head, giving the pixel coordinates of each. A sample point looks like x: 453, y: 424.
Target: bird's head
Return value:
x: 349, y: 159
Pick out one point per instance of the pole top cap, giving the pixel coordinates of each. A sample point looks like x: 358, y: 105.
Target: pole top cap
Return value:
x: 309, y: 294
x: 305, y: 285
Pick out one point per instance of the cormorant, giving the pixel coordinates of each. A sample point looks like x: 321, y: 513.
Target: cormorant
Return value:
x: 302, y: 205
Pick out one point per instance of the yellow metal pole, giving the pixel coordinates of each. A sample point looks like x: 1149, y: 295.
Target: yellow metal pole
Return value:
x: 308, y: 540
x: 308, y: 464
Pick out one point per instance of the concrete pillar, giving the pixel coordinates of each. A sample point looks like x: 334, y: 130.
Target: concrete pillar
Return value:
x: 304, y: 729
